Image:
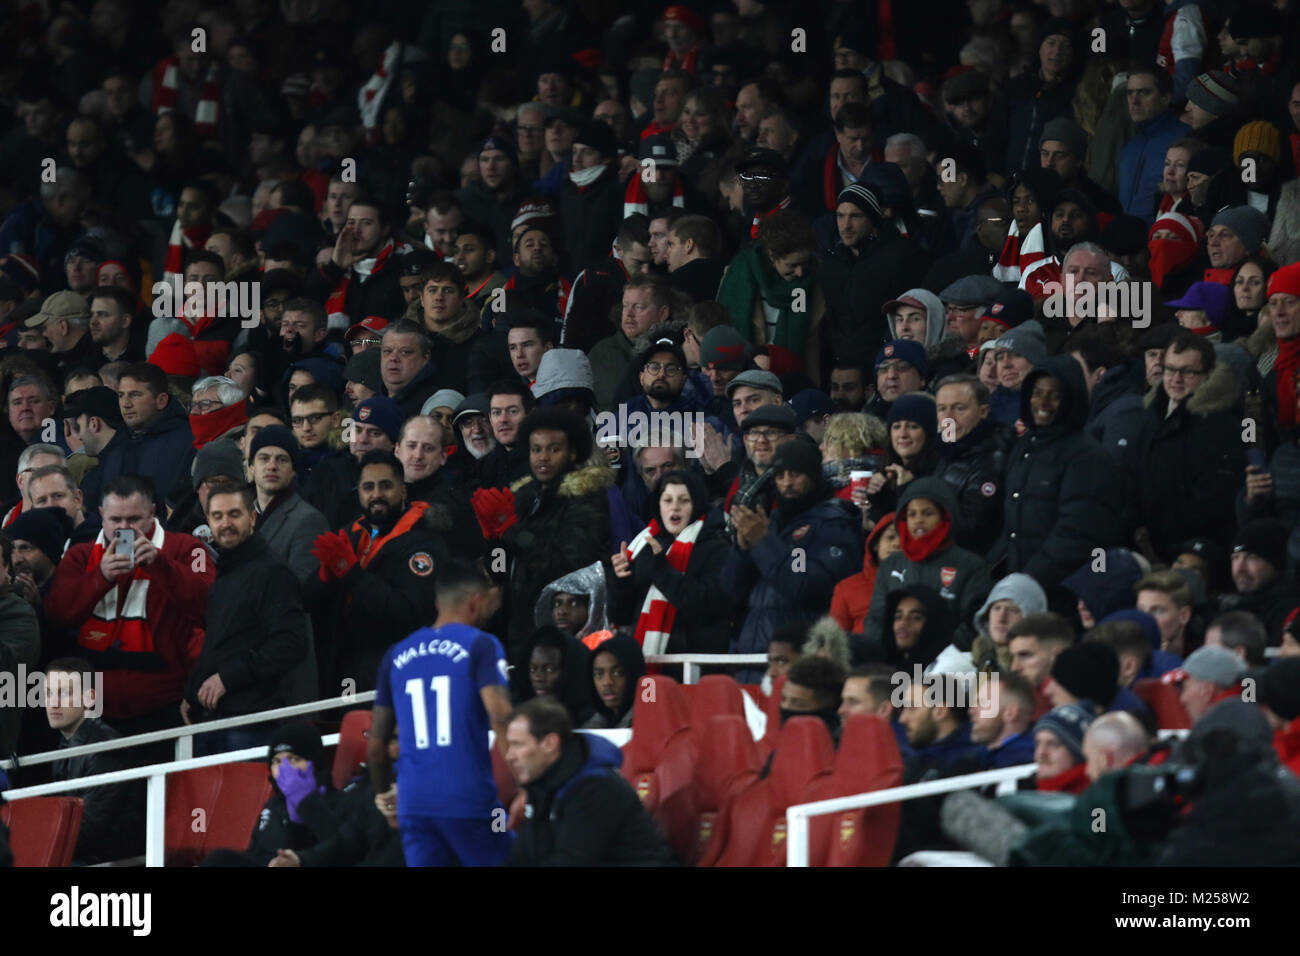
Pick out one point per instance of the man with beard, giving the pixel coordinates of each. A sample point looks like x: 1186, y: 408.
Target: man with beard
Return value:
x: 812, y: 689
x: 422, y: 452
x: 476, y: 258
x: 360, y: 278
x: 257, y: 636
x: 375, y: 425
x: 508, y: 403
x: 785, y: 565
x: 849, y: 387
x: 471, y: 423
x: 111, y: 313
x: 537, y: 282
x: 375, y: 575
x: 287, y: 524
x: 765, y: 183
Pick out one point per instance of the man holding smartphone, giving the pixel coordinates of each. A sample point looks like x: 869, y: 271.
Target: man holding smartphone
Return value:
x: 136, y: 598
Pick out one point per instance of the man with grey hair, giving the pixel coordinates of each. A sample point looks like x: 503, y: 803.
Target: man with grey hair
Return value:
x: 32, y: 457
x: 217, y: 410
x: 1112, y: 742
x: 651, y: 461
x: 1085, y: 269
x: 908, y: 152
x: 530, y: 137
x: 57, y: 215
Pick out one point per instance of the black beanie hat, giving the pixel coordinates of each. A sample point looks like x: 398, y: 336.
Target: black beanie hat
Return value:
x: 799, y: 454
x: 299, y: 738
x: 46, y: 528
x: 1089, y: 671
x: 1265, y: 538
x: 1279, y: 687
x: 276, y: 436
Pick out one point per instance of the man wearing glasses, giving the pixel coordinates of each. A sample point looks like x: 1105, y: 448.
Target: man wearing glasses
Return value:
x: 1194, y: 459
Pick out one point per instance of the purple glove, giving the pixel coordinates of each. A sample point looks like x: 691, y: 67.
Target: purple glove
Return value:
x: 296, y: 785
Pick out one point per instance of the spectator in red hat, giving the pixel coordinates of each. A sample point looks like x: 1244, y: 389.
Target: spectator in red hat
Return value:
x: 683, y: 30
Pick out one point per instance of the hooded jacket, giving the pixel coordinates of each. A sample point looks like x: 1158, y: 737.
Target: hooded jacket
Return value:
x: 581, y: 812
x: 1193, y: 463
x: 589, y: 581
x: 562, y: 526
x: 1063, y: 491
x: 573, y: 688
x: 788, y: 575
x: 1108, y: 589
x: 628, y: 651
x: 959, y: 576
x: 935, y: 636
x: 852, y: 597
x: 1021, y: 590
x: 704, y: 607
x: 935, y: 321
x: 975, y: 468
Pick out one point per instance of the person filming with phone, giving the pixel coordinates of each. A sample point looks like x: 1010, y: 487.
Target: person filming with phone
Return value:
x: 136, y: 598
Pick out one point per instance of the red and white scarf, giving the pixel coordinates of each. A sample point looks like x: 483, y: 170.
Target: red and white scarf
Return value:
x: 167, y: 80
x: 182, y: 239
x: 13, y: 513
x: 1017, y: 256
x: 635, y: 199
x: 657, y: 613
x: 365, y: 268
x: 371, y: 96
x: 120, y: 621
x: 760, y: 216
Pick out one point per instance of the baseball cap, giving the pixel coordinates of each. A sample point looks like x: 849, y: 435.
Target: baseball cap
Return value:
x: 1212, y: 663
x: 97, y: 402
x: 371, y: 323
x: 811, y: 403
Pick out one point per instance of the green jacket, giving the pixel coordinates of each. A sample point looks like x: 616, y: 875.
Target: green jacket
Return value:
x: 750, y: 282
x: 1089, y: 831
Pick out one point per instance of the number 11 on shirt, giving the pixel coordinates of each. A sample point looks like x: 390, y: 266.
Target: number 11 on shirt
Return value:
x: 441, y: 687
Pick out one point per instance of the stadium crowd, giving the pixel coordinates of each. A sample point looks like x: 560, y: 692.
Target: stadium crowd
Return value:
x: 962, y: 337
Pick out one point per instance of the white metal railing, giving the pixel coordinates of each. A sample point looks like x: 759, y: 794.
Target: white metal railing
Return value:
x: 691, y: 662
x: 797, y: 817
x: 184, y: 736
x: 156, y: 785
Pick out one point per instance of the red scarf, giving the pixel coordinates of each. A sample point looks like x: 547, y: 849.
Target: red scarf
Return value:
x: 831, y: 188
x: 371, y: 96
x: 654, y: 129
x: 120, y: 620
x: 180, y: 240
x: 635, y: 199
x: 918, y: 549
x: 365, y: 268
x: 1221, y: 276
x: 885, y: 30
x: 167, y: 80
x: 213, y: 425
x: 1294, y: 140
x: 684, y: 62
x: 1285, y: 368
x: 1170, y: 255
x: 759, y: 217
x: 1074, y: 780
x: 1019, y: 253
x: 658, y: 613
x: 13, y: 513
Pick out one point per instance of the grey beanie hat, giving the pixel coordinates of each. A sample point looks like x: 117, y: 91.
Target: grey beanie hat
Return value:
x: 1250, y: 225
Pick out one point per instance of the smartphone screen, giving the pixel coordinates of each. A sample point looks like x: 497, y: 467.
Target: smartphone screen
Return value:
x: 124, y: 543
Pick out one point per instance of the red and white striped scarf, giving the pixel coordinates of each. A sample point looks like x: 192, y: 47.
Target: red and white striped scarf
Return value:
x: 120, y: 621
x: 657, y: 613
x: 1017, y: 256
x: 371, y: 96
x: 180, y: 240
x: 759, y: 217
x: 635, y: 199
x: 167, y: 80
x: 365, y: 268
x: 11, y: 515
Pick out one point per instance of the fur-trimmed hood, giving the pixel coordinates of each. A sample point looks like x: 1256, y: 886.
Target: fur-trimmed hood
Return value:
x: 586, y: 479
x: 1220, y: 393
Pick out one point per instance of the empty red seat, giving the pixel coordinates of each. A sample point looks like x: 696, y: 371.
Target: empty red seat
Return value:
x: 245, y: 788
x: 350, y: 753
x: 772, y: 708
x: 213, y: 808
x: 867, y: 760
x: 727, y: 762
x: 659, y: 714
x: 43, y: 830
x: 715, y: 696
x: 1165, y: 702
x: 753, y: 820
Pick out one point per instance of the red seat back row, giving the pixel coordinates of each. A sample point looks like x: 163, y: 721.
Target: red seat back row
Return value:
x: 43, y: 831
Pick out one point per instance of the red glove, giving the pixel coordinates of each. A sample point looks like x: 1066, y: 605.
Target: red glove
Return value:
x: 335, y: 554
x: 495, y: 510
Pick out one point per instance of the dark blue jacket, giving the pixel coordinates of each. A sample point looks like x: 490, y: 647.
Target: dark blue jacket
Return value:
x: 1017, y: 750
x: 162, y: 452
x: 1142, y: 164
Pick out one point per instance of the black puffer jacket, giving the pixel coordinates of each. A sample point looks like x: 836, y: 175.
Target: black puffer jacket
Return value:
x: 1062, y: 489
x: 1118, y: 421
x: 1193, y: 463
x: 975, y: 468
x: 704, y: 609
x: 856, y: 288
x: 562, y: 526
x: 935, y: 636
x: 353, y: 832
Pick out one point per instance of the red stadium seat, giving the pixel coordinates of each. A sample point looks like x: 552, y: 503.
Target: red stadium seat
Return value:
x: 728, y: 761
x: 755, y: 691
x: 867, y: 760
x: 754, y: 819
x: 717, y: 695
x: 351, y: 751
x: 772, y: 707
x: 659, y: 715
x: 230, y: 796
x: 1165, y: 703
x: 43, y: 830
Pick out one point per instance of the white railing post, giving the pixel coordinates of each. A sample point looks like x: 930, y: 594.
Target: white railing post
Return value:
x: 796, y: 838
x: 185, y: 747
x: 155, y: 819
x: 690, y: 673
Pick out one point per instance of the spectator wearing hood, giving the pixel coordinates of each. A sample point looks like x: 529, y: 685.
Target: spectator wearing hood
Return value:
x: 555, y: 520
x: 587, y: 616
x: 918, y: 315
x: 928, y: 556
x: 1155, y: 128
x: 870, y: 259
x: 617, y: 666
x: 557, y: 666
x: 1104, y: 583
x: 667, y: 581
x: 911, y: 451
x: 1063, y: 499
x: 1058, y: 749
x: 851, y: 598
x: 974, y: 453
x: 1193, y: 460
x: 1174, y: 242
x: 1014, y: 597
x: 785, y: 566
x: 1279, y: 700
x: 1259, y: 573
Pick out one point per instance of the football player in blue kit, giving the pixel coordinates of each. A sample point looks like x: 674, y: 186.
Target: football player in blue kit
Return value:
x: 444, y: 687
